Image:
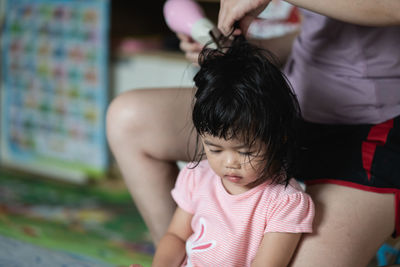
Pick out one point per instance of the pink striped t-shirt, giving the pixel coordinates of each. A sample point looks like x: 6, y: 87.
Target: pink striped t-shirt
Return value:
x: 228, y: 229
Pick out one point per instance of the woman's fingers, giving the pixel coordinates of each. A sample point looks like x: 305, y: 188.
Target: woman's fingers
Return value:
x: 190, y: 47
x: 242, y: 11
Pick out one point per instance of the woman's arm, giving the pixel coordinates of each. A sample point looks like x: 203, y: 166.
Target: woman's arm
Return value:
x: 362, y: 12
x: 171, y: 249
x: 276, y: 249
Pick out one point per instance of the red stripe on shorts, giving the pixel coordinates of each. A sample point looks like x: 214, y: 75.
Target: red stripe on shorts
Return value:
x: 377, y: 136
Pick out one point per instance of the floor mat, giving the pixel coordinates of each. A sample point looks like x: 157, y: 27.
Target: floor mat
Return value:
x: 99, y: 225
x: 14, y: 253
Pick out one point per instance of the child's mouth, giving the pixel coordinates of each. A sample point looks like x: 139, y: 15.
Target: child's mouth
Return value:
x: 233, y: 178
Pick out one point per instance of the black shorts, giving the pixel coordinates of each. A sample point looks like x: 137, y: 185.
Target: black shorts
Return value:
x: 364, y: 156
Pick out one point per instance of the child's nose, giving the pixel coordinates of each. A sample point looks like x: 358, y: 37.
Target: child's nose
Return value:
x: 232, y: 162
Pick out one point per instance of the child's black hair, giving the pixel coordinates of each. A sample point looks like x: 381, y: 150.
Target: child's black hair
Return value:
x: 241, y: 93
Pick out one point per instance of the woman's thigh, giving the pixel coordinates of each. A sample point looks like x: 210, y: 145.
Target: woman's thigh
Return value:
x: 349, y: 226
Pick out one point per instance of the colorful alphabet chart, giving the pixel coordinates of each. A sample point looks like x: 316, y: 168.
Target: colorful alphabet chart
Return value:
x: 54, y: 87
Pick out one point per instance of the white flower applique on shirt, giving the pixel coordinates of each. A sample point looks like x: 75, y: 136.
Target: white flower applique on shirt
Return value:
x: 196, y: 246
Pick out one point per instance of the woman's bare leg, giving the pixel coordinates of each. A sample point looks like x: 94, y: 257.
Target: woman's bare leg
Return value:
x: 148, y: 130
x: 349, y: 227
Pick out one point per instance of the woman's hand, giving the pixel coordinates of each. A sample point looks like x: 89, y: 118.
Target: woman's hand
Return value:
x: 242, y: 11
x: 190, y: 47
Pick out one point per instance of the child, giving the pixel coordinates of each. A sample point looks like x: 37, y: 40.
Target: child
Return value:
x: 240, y: 207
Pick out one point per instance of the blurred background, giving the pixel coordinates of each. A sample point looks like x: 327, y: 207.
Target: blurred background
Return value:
x: 62, y: 63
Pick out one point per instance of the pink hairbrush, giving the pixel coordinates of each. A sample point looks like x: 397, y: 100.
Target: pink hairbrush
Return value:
x: 186, y: 16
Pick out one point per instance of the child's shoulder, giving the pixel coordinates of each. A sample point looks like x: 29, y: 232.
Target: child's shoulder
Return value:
x: 195, y: 175
x: 281, y: 190
x: 197, y: 169
x: 203, y: 164
x: 290, y: 197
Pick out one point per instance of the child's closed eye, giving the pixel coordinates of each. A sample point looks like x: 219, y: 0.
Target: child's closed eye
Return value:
x: 247, y: 153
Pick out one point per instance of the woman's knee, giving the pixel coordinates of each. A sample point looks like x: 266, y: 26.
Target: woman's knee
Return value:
x: 125, y: 115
